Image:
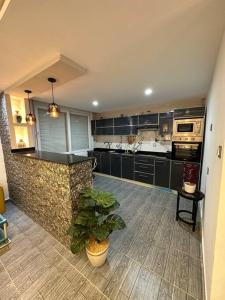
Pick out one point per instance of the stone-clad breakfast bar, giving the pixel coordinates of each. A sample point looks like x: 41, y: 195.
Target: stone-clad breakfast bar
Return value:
x: 44, y: 185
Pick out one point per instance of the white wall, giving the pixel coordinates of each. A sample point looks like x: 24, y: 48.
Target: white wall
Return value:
x: 3, y: 181
x: 214, y: 207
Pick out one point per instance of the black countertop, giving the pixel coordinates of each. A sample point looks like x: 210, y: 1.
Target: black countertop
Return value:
x: 123, y: 152
x: 66, y: 159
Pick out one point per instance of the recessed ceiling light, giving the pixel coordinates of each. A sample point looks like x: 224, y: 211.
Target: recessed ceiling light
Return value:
x: 148, y: 91
x: 95, y: 103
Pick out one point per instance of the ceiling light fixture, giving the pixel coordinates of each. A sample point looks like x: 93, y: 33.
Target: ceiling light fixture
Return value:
x: 148, y: 91
x: 53, y: 108
x: 30, y: 118
x: 95, y: 103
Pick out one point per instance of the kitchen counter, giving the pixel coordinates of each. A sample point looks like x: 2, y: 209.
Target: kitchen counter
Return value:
x: 66, y: 159
x: 123, y: 152
x: 46, y: 186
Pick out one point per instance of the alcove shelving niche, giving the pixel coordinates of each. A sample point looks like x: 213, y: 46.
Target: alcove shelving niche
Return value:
x: 22, y: 134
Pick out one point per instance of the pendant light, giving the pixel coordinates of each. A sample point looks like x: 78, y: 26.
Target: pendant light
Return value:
x: 30, y: 118
x: 53, y: 108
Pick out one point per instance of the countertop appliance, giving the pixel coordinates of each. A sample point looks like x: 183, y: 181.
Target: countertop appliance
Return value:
x: 188, y: 130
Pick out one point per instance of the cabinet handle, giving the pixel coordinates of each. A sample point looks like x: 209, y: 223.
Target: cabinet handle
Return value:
x: 142, y: 175
x: 142, y: 161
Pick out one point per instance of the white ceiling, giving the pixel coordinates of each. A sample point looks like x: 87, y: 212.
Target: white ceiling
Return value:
x: 126, y: 46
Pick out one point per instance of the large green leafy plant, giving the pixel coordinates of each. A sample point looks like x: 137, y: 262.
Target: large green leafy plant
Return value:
x: 94, y: 218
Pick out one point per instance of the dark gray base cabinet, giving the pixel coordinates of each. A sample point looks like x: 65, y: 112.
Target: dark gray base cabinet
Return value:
x: 162, y: 172
x: 144, y: 177
x: 105, y: 163
x: 116, y: 165
x: 128, y: 167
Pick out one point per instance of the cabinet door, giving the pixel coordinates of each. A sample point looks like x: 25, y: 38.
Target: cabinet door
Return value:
x: 144, y: 177
x: 162, y: 172
x: 116, y: 165
x: 104, y: 131
x: 124, y: 121
x: 127, y: 167
x: 97, y: 155
x: 93, y: 127
x: 177, y: 174
x: 122, y: 130
x: 192, y: 112
x: 104, y: 122
x: 151, y: 119
x: 105, y: 163
x: 165, y: 125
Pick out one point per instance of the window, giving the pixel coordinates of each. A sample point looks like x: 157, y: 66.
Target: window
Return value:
x: 53, y: 133
x: 79, y: 132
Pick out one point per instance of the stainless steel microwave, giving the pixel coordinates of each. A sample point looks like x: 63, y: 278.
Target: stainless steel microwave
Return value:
x: 188, y: 130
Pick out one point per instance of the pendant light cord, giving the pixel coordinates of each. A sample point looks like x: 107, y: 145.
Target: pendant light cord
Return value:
x: 53, y: 100
x: 29, y: 103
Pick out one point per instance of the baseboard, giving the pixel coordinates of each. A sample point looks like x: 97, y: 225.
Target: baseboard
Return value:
x: 203, y: 261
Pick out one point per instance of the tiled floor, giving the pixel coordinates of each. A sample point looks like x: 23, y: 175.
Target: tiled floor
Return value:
x: 154, y: 258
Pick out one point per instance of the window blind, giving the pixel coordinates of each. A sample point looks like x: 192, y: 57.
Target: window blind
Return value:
x: 52, y: 132
x: 79, y: 132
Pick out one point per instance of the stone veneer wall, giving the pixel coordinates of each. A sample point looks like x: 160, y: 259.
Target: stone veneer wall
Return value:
x: 46, y: 191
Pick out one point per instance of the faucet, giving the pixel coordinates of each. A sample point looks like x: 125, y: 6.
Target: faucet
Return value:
x: 109, y: 143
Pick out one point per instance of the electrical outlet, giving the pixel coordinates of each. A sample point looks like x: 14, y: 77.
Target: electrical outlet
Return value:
x: 207, y: 172
x: 211, y: 127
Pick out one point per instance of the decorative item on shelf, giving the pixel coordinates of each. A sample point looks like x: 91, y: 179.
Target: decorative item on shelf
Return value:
x: 53, y: 108
x: 30, y: 118
x: 190, y: 178
x: 21, y: 144
x: 18, y: 117
x: 131, y: 139
x: 93, y: 223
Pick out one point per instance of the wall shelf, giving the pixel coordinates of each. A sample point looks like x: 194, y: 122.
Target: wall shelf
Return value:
x: 19, y: 131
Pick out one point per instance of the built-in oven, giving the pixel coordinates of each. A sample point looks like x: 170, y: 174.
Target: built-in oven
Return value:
x: 187, y: 151
x: 188, y: 129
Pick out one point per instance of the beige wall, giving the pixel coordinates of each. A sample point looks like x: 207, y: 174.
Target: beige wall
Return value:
x: 213, y: 185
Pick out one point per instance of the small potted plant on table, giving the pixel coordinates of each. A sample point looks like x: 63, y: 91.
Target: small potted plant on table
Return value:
x: 190, y: 178
x: 93, y: 223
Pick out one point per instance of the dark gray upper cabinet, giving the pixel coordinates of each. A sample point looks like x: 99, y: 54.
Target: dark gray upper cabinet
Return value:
x: 192, y: 112
x: 122, y: 130
x: 151, y: 119
x: 104, y: 131
x: 104, y: 123
x: 93, y: 126
x: 162, y: 172
x: 124, y: 121
x: 165, y: 123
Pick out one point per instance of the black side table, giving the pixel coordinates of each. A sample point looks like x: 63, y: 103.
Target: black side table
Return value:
x: 195, y: 197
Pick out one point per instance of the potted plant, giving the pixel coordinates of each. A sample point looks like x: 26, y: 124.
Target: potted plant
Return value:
x: 93, y: 223
x: 190, y: 178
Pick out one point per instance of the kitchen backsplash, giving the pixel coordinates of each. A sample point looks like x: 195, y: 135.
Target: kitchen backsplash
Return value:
x: 145, y: 146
